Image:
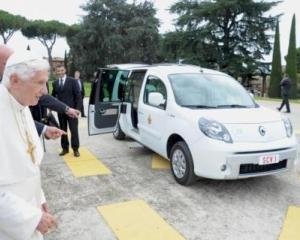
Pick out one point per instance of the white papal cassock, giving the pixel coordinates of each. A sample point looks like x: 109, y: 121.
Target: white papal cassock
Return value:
x: 21, y: 194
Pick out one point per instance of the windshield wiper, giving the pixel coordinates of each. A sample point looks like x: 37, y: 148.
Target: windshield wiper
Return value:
x: 198, y: 106
x: 232, y: 106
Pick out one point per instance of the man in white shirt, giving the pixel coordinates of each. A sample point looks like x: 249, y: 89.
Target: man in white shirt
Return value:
x: 24, y: 214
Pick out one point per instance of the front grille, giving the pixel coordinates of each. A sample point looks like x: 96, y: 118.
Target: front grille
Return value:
x: 255, y: 168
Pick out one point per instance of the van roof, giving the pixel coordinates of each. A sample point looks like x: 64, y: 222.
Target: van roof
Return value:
x: 127, y: 66
x: 166, y: 68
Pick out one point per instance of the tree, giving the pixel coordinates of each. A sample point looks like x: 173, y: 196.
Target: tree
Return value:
x: 141, y: 33
x: 172, y: 46
x: 66, y: 62
x: 9, y: 24
x: 298, y: 59
x: 291, y: 61
x: 228, y: 33
x: 46, y: 32
x: 276, y: 73
x: 71, y: 35
x: 91, y: 45
x: 180, y: 46
x: 114, y: 31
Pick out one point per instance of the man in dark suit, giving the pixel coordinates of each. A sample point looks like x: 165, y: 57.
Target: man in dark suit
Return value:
x: 285, y: 85
x: 82, y: 91
x: 67, y: 90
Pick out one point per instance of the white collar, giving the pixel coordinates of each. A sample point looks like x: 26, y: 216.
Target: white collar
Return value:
x: 63, y: 78
x: 14, y: 101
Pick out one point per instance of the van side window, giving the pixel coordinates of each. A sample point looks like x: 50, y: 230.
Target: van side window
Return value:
x: 154, y: 84
x: 112, y: 85
x: 133, y: 87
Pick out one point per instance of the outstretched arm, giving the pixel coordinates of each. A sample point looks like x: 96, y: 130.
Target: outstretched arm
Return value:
x: 58, y: 106
x: 52, y: 103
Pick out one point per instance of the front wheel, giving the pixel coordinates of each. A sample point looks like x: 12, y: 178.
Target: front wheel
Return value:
x: 118, y: 133
x: 182, y: 164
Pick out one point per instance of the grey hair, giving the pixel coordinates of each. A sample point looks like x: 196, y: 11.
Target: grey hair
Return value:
x: 24, y: 70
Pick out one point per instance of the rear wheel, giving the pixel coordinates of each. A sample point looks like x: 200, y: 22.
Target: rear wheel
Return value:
x: 182, y: 164
x: 118, y: 133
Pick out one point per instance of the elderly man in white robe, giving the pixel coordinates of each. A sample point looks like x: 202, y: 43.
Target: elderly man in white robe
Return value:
x: 24, y: 213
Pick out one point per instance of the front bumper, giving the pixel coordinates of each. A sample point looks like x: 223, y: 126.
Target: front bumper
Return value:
x: 244, y: 165
x: 219, y: 160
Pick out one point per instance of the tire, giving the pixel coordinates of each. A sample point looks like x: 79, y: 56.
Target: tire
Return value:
x: 182, y: 165
x: 118, y: 133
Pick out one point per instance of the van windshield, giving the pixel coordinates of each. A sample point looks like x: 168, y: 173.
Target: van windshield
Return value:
x: 198, y: 90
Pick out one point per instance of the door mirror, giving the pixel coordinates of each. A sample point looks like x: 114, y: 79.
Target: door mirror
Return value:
x: 156, y: 99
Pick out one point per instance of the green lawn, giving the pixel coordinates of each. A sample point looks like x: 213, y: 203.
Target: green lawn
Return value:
x: 87, y: 88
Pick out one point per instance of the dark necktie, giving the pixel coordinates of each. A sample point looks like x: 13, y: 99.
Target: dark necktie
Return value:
x: 60, y: 83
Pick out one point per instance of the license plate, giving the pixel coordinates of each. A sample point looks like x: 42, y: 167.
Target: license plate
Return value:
x: 268, y: 159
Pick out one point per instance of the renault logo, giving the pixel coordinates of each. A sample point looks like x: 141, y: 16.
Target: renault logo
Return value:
x: 262, y: 130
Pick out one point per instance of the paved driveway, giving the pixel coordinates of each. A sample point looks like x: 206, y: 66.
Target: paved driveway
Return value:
x: 249, y: 209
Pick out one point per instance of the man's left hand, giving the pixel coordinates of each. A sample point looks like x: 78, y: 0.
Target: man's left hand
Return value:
x: 54, y: 132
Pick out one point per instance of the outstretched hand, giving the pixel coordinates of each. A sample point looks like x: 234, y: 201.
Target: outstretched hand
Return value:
x: 54, y: 132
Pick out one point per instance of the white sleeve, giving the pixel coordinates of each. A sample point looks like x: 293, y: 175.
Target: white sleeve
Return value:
x: 43, y: 198
x: 18, y: 219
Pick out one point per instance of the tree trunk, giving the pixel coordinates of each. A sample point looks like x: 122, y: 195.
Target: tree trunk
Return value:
x: 49, y: 51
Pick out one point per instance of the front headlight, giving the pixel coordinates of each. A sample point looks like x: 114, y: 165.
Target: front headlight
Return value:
x: 288, y: 126
x: 214, y: 130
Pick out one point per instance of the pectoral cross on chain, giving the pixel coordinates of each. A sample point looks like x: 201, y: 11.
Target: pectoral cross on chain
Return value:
x: 31, y: 148
x: 30, y: 151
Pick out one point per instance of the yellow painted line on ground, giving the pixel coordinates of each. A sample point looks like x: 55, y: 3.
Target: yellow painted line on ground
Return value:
x: 85, y: 165
x: 291, y: 227
x: 136, y: 220
x: 158, y: 162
